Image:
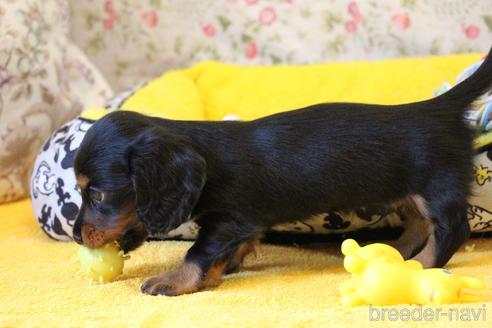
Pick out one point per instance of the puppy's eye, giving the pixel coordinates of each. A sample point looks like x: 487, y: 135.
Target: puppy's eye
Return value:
x: 96, y: 195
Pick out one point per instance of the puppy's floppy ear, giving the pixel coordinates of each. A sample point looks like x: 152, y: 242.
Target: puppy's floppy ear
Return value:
x: 168, y: 176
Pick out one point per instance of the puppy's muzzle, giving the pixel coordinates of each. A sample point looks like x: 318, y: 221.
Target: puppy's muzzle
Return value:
x: 93, y: 237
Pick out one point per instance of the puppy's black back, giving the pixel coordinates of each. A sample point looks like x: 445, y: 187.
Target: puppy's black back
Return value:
x: 342, y: 155
x: 296, y: 164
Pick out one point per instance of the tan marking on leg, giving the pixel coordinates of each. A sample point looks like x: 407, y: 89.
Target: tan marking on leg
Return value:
x: 421, y: 206
x: 189, y: 277
x: 82, y: 181
x: 416, y: 226
x: 214, y: 274
x: 415, y: 233
x: 237, y: 258
x: 229, y: 264
x: 427, y: 256
x: 186, y: 279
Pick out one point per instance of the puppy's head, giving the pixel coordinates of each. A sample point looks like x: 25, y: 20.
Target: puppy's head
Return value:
x: 135, y: 178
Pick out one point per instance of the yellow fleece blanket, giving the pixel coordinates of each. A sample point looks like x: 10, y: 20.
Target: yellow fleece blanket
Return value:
x: 40, y: 284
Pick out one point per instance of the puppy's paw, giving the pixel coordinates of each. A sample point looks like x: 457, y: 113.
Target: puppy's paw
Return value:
x: 184, y: 280
x: 159, y: 285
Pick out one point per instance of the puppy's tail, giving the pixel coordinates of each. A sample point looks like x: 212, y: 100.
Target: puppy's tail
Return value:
x: 459, y: 98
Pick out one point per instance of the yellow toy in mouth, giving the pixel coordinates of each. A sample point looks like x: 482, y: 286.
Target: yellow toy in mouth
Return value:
x: 103, y: 264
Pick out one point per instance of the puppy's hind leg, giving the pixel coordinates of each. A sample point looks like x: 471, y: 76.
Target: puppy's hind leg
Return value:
x: 450, y: 228
x: 417, y: 226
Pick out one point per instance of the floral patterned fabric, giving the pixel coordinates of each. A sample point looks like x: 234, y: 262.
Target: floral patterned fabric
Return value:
x: 44, y: 81
x: 132, y: 41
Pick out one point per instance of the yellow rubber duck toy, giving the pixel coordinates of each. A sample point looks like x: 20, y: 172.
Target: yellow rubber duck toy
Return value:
x: 381, y: 276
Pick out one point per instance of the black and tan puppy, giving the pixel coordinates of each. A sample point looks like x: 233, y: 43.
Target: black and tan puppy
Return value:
x: 142, y: 175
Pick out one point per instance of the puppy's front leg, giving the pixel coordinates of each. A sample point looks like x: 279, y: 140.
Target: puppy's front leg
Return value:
x: 219, y: 240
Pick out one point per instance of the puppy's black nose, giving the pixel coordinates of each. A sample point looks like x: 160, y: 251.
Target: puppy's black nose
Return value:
x: 77, y: 231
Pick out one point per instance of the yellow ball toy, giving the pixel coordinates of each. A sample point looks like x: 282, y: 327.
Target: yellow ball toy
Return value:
x: 381, y: 276
x: 102, y: 264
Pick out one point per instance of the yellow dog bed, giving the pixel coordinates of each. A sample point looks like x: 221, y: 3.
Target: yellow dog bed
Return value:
x: 280, y: 287
x: 212, y: 90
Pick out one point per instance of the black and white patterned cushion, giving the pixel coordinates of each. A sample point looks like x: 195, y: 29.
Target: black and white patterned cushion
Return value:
x: 56, y: 200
